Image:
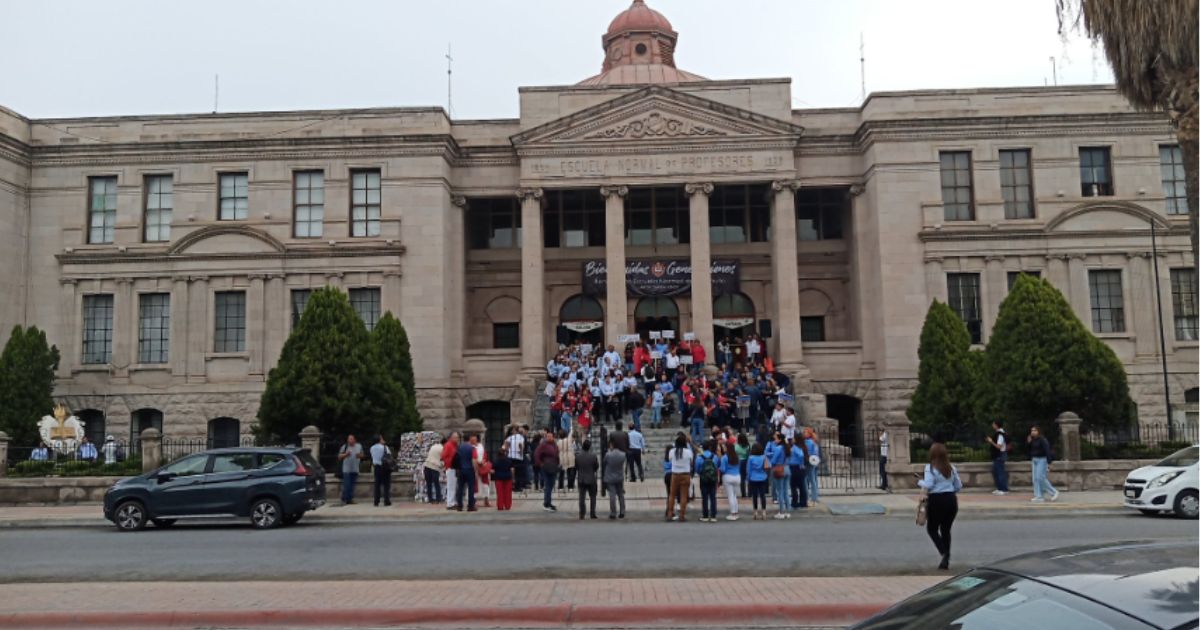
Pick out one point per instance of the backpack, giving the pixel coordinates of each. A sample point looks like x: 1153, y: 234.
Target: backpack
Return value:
x: 708, y: 471
x: 389, y: 460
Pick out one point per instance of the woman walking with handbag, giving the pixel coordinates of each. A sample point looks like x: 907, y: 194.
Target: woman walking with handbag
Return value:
x: 940, y: 486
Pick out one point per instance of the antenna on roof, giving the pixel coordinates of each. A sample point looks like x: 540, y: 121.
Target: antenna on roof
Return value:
x: 449, y: 82
x: 862, y: 64
x: 216, y: 91
x: 1054, y: 69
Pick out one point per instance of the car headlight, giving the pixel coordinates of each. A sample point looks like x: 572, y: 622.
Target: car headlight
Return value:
x: 1164, y: 479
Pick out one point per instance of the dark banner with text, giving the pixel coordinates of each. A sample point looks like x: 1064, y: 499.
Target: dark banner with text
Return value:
x: 661, y: 277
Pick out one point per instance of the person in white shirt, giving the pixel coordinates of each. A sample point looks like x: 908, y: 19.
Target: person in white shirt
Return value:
x: 681, y: 461
x: 383, y: 471
x: 612, y: 356
x: 788, y: 425
x: 777, y: 417
x: 753, y: 348
x: 883, y: 455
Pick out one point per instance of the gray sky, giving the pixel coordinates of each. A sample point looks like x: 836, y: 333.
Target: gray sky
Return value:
x: 88, y: 58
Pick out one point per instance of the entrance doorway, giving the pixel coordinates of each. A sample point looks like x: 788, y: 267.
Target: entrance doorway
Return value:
x: 582, y: 320
x: 847, y: 410
x: 496, y: 414
x: 733, y: 317
x: 656, y: 313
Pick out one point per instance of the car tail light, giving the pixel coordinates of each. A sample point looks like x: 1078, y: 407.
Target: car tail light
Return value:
x: 301, y: 470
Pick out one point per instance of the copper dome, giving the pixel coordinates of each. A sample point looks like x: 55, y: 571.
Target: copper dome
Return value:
x: 638, y: 17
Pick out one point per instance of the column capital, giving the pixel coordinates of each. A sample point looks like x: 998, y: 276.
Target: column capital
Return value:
x: 334, y: 274
x: 994, y: 258
x: 1077, y: 256
x: 197, y: 278
x: 1057, y: 257
x: 857, y: 189
x: 459, y: 201
x: 527, y: 194
x: 393, y: 273
x: 699, y: 188
x: 934, y: 259
x: 780, y: 185
x: 178, y: 279
x: 611, y: 191
x: 66, y: 281
x: 256, y: 276
x: 123, y: 281
x: 1132, y: 255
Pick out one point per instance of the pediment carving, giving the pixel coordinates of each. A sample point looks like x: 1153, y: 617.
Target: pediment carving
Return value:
x: 226, y: 238
x: 655, y: 125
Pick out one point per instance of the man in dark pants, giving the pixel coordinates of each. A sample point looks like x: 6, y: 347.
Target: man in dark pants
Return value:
x: 637, y: 444
x: 883, y: 455
x: 467, y: 469
x: 381, y: 464
x: 586, y: 466
x: 546, y: 458
x: 603, y: 451
x: 998, y: 442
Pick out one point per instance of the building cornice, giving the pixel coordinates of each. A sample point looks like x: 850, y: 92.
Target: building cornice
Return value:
x: 104, y: 257
x: 988, y: 234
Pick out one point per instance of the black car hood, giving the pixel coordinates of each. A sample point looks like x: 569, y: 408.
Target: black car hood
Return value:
x: 1156, y: 582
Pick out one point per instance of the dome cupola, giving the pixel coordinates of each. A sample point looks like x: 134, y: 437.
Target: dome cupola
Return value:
x: 639, y: 47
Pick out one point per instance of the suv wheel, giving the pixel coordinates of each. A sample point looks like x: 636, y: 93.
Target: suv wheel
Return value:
x: 265, y: 513
x: 130, y: 516
x: 1186, y: 504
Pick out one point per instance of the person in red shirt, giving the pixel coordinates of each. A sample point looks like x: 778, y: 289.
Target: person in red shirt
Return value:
x: 449, y: 452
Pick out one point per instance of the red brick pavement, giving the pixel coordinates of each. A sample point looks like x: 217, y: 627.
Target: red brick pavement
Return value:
x: 556, y: 603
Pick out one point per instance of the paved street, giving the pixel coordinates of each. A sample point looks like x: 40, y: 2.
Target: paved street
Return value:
x: 827, y: 546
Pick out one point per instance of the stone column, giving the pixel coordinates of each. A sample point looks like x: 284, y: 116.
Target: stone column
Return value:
x: 151, y: 449
x: 1142, y: 319
x: 935, y: 279
x: 1068, y: 424
x: 702, y: 296
x: 178, y: 354
x: 124, y: 328
x: 278, y: 318
x: 899, y: 464
x: 533, y: 298
x: 310, y: 438
x: 785, y: 279
x: 256, y: 323
x: 70, y: 315
x: 198, y: 324
x: 1080, y: 296
x: 616, y: 311
x: 334, y: 279
x: 996, y: 282
x: 391, y: 292
x: 3, y: 453
x: 1056, y: 274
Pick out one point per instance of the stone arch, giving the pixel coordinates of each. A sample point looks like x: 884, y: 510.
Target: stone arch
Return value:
x: 212, y: 231
x: 224, y: 432
x: 819, y: 302
x: 475, y: 395
x: 1123, y: 207
x: 505, y: 309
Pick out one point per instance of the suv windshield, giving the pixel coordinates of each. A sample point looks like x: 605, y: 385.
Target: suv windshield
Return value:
x: 991, y: 600
x: 1181, y: 459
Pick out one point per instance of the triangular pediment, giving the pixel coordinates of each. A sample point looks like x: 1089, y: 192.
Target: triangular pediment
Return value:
x: 657, y: 114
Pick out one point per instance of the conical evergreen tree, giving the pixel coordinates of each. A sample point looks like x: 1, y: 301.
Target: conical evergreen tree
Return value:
x: 27, y: 368
x: 1042, y: 361
x: 944, y: 402
x: 395, y: 356
x: 329, y: 376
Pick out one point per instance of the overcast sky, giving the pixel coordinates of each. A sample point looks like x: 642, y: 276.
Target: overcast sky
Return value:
x: 89, y: 58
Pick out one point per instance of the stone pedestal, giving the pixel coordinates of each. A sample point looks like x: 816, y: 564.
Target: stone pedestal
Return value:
x: 3, y: 453
x: 151, y: 449
x: 1068, y: 424
x: 310, y: 438
x: 810, y: 408
x: 899, y: 464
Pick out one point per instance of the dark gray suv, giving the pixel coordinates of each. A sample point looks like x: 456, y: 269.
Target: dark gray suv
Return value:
x: 272, y: 486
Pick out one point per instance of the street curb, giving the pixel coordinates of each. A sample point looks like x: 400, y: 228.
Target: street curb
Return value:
x: 560, y: 615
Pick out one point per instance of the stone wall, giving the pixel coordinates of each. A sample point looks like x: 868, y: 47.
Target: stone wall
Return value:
x: 185, y: 414
x: 879, y: 396
x: 445, y: 408
x: 54, y: 490
x: 1147, y: 392
x: 1076, y: 476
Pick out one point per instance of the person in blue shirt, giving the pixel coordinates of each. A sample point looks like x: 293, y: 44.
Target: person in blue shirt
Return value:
x: 696, y: 415
x: 87, y: 450
x: 708, y: 471
x: 41, y: 453
x: 811, y: 478
x: 731, y: 475
x: 756, y: 471
x: 796, y: 464
x: 941, y: 483
x: 779, y: 485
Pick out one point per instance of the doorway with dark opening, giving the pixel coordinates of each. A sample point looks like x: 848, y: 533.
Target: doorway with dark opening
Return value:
x: 847, y: 410
x: 496, y: 415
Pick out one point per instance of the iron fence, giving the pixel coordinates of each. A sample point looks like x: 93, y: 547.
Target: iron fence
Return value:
x: 1138, y: 441
x: 115, y: 460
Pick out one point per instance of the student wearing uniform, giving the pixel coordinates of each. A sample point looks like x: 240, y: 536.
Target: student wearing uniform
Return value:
x: 796, y: 463
x: 779, y: 484
x: 731, y: 476
x: 998, y: 442
x: 708, y: 469
x: 757, y: 471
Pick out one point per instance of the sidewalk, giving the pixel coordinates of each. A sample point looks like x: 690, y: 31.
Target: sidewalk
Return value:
x: 645, y: 501
x: 787, y: 602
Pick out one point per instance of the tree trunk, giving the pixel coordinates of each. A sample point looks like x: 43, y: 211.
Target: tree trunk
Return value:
x: 1181, y: 106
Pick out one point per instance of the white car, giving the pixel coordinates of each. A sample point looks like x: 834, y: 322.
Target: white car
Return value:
x: 1166, y: 487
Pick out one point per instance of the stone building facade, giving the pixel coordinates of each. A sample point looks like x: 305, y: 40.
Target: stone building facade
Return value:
x: 166, y: 256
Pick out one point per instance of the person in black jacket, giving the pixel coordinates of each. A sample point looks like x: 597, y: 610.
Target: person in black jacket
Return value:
x: 1040, y: 455
x: 587, y: 465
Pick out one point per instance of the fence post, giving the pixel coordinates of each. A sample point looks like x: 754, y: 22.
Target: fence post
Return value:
x: 899, y: 463
x: 310, y: 438
x: 1068, y: 423
x: 151, y: 449
x: 3, y: 453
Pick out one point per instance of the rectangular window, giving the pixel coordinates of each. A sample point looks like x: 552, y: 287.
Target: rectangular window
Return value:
x: 1016, y: 183
x: 738, y: 214
x: 97, y: 329
x: 234, y: 193
x: 958, y: 198
x: 1095, y: 172
x: 812, y: 328
x: 964, y: 299
x: 299, y: 301
x: 1108, y: 302
x: 159, y: 204
x: 1171, y: 164
x: 309, y: 210
x: 494, y: 223
x: 154, y: 327
x: 365, y: 203
x: 573, y: 218
x: 1183, y: 297
x: 1013, y: 275
x: 506, y: 335
x: 102, y: 209
x: 366, y: 304
x: 819, y: 213
x: 229, y: 332
x: 657, y: 216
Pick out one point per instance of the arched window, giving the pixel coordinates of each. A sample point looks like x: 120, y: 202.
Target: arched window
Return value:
x: 224, y: 432
x: 143, y: 419
x: 733, y: 316
x: 582, y: 318
x: 93, y: 425
x: 656, y: 313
